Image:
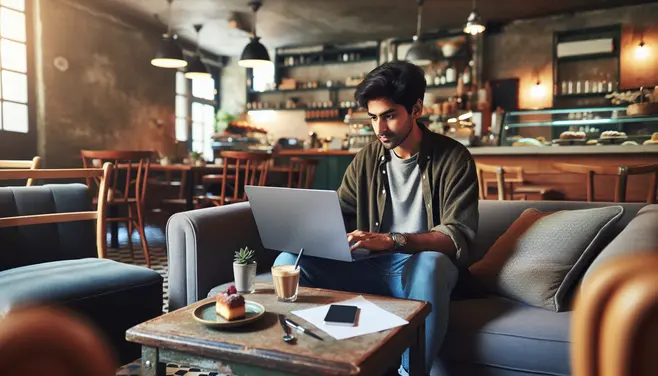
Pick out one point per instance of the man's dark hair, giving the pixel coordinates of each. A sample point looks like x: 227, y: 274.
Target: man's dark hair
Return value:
x: 400, y: 81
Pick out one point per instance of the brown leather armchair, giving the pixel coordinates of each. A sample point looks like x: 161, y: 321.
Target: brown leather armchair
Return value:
x: 615, y: 321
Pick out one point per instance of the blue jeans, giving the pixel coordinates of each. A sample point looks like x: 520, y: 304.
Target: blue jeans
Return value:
x: 426, y: 276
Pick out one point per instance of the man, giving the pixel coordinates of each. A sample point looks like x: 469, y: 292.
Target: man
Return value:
x: 412, y: 191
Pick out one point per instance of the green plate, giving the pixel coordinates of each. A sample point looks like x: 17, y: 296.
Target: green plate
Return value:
x: 206, y: 315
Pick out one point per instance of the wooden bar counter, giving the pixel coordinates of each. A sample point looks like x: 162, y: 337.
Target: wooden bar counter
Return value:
x: 536, y: 161
x: 537, y: 164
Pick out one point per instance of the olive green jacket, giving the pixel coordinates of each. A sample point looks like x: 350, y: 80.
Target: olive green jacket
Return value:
x: 449, y: 185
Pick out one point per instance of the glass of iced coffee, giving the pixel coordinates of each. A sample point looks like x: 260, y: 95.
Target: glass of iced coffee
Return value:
x: 286, y: 282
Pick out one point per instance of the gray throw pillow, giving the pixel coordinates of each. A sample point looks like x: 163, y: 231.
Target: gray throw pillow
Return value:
x: 542, y: 262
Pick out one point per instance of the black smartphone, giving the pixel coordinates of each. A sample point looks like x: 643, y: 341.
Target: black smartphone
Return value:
x: 342, y: 315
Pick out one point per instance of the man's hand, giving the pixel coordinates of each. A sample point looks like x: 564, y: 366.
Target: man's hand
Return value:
x: 370, y: 240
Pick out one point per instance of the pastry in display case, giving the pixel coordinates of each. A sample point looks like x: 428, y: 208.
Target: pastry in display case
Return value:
x: 577, y: 126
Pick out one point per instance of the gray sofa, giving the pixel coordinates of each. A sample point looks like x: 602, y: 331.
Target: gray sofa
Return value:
x: 487, y: 335
x: 57, y: 264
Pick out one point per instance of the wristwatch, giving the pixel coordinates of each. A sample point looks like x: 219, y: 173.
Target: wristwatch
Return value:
x: 399, y: 240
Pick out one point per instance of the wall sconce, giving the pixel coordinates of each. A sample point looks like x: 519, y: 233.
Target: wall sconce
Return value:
x: 641, y: 51
x: 538, y: 90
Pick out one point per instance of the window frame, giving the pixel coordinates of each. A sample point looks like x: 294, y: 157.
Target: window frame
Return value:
x: 29, y: 74
x: 190, y: 99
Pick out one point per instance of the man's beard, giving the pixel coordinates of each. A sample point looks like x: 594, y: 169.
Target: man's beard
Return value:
x: 394, y: 139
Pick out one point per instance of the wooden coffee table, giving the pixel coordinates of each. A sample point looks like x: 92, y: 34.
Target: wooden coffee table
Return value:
x: 258, y: 348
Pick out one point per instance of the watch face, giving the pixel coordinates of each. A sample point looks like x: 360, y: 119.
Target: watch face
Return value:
x: 399, y: 239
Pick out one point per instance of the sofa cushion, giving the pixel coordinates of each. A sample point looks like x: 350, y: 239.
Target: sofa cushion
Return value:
x: 67, y: 281
x: 502, y: 333
x: 113, y: 296
x: 541, y: 257
x: 264, y: 277
x: 639, y: 236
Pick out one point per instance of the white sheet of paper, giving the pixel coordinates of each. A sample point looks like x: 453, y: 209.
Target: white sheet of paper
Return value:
x: 372, y: 319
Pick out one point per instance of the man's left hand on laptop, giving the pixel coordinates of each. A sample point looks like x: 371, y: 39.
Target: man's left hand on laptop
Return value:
x: 371, y: 241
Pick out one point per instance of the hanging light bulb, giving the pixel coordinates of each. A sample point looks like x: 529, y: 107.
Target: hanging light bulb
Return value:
x: 254, y: 54
x: 196, y: 69
x: 421, y: 53
x: 169, y: 54
x: 474, y: 25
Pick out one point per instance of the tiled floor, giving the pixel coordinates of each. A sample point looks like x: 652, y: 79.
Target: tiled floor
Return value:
x: 158, y: 256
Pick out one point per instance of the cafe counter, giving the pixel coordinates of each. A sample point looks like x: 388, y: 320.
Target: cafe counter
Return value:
x: 536, y: 161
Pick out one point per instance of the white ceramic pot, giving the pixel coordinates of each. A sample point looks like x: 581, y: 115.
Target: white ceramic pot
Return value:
x: 245, y: 277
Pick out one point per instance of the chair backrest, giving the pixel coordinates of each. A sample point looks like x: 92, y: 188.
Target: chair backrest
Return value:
x: 615, y: 319
x: 130, y: 174
x: 255, y: 166
x: 499, y: 172
x: 99, y: 214
x: 33, y: 164
x: 621, y: 173
x: 305, y: 170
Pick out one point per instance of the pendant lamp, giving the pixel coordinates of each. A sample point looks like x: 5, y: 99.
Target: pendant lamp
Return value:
x: 474, y: 24
x: 196, y: 69
x: 169, y: 55
x: 421, y: 53
x: 254, y: 54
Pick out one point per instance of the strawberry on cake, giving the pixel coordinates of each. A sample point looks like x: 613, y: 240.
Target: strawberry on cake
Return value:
x: 230, y: 305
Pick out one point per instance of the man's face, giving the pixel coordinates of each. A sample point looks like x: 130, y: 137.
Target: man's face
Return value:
x: 391, y: 122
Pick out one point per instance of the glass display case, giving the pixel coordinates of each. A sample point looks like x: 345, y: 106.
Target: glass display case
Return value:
x: 576, y: 126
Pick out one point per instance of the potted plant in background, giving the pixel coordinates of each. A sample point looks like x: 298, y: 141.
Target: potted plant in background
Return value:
x: 244, y: 270
x: 222, y: 121
x: 196, y: 159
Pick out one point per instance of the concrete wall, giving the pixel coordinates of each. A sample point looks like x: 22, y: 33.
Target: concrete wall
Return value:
x: 524, y: 48
x: 97, y: 88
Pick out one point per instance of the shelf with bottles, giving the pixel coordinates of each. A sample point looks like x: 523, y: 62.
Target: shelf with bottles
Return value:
x: 293, y: 104
x: 586, y: 88
x: 306, y: 56
x: 312, y: 87
x: 334, y: 114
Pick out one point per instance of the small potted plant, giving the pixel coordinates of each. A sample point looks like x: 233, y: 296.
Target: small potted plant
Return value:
x: 197, y: 159
x: 244, y: 270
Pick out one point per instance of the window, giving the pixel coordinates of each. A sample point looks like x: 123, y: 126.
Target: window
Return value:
x: 13, y: 67
x: 263, y: 77
x: 195, y: 112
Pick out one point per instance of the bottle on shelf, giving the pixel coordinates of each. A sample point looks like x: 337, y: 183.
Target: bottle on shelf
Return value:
x: 451, y: 74
x: 466, y: 76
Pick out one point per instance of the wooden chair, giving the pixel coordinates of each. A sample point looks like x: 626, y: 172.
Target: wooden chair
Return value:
x: 32, y: 165
x: 99, y: 215
x: 41, y: 341
x: 621, y: 173
x: 517, y: 183
x: 615, y: 319
x: 305, y: 170
x: 255, y: 166
x: 127, y: 187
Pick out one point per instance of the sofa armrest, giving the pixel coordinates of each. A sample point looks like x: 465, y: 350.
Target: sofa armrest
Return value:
x: 201, y: 244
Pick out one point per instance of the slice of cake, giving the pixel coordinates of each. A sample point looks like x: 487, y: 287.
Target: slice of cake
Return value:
x: 230, y: 305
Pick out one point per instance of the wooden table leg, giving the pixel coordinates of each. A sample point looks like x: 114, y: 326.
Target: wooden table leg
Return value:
x: 151, y: 365
x: 417, y: 353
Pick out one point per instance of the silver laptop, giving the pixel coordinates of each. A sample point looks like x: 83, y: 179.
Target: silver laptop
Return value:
x: 289, y: 219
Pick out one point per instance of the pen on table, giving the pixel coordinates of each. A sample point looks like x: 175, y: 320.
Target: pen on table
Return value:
x: 301, y: 329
